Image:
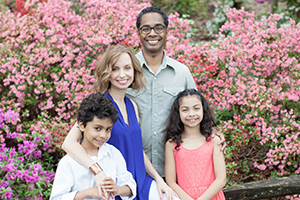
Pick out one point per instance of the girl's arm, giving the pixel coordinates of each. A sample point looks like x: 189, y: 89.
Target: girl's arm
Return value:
x: 78, y: 153
x: 170, y: 172
x: 220, y: 172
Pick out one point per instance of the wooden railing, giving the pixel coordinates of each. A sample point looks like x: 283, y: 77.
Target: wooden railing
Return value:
x: 264, y: 189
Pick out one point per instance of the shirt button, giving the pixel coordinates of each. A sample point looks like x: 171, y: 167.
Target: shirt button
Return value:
x: 154, y: 133
x: 155, y: 115
x: 154, y: 78
x: 154, y: 151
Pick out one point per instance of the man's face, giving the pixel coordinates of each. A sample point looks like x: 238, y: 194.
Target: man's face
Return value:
x: 152, y: 42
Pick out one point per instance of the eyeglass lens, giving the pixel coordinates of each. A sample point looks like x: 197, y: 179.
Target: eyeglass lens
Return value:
x: 157, y: 28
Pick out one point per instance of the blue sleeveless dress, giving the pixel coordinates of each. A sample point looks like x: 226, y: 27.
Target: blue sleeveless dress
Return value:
x: 128, y: 139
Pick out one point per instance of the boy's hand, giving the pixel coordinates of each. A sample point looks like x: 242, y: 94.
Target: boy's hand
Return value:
x: 222, y: 139
x: 110, y: 187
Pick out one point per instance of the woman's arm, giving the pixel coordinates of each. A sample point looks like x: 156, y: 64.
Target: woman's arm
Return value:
x: 74, y: 149
x: 161, y: 185
x: 220, y: 173
x: 78, y: 153
x: 170, y: 172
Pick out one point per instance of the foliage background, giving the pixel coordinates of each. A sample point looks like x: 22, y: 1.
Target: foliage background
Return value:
x: 249, y: 73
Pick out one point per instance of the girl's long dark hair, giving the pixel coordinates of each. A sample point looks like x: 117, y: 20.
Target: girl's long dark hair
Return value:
x: 175, y: 126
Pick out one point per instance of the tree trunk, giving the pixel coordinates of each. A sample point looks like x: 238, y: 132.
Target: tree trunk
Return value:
x: 274, y: 5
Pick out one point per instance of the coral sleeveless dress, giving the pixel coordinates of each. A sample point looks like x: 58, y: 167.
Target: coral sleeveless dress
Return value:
x: 128, y: 139
x: 195, y: 170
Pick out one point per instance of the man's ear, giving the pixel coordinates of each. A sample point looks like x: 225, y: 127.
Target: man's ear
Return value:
x: 81, y: 126
x: 138, y: 33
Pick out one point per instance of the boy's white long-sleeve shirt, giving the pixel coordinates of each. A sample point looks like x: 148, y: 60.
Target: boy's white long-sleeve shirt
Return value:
x: 72, y: 177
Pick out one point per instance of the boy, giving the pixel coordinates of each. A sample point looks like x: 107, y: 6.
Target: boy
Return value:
x: 96, y: 117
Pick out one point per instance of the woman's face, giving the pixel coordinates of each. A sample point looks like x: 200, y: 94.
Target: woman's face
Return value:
x: 122, y: 74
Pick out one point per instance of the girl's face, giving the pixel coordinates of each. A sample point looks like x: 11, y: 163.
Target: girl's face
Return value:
x: 191, y: 111
x: 122, y: 74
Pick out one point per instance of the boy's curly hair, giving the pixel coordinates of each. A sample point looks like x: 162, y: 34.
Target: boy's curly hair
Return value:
x: 97, y: 105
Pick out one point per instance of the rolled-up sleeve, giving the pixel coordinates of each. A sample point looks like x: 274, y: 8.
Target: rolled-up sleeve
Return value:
x: 124, y: 177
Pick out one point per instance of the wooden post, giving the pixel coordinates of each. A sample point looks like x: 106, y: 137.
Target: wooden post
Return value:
x: 264, y: 189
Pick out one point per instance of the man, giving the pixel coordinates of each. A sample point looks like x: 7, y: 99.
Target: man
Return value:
x: 165, y: 78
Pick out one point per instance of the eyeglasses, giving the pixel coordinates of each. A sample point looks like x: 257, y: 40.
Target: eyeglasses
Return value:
x: 159, y: 28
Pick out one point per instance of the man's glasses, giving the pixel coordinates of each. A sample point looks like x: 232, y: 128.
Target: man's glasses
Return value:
x: 159, y: 28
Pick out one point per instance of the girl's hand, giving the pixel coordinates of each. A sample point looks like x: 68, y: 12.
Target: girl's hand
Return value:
x: 222, y: 139
x: 99, y: 178
x: 164, y: 188
x: 110, y: 187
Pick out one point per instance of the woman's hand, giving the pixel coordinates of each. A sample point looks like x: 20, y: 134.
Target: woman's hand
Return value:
x: 99, y: 181
x: 164, y: 188
x: 110, y: 187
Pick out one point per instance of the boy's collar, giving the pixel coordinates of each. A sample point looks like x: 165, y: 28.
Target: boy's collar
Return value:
x: 103, y: 151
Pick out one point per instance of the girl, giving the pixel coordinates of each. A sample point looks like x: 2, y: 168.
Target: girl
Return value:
x: 118, y: 69
x: 195, y: 167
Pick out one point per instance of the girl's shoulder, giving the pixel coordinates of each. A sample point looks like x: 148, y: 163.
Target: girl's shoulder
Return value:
x: 170, y: 141
x: 169, y: 147
x: 215, y: 140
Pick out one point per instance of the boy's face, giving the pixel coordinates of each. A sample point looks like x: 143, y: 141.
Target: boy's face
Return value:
x: 96, y: 133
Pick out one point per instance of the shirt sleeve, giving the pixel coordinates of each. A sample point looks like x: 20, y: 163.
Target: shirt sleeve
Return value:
x: 190, y: 81
x: 124, y: 177
x: 63, y: 182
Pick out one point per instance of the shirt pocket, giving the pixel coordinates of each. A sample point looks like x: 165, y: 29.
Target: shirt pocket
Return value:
x: 169, y: 95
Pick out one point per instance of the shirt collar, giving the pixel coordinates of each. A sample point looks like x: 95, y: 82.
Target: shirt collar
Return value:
x: 103, y: 151
x: 167, y: 61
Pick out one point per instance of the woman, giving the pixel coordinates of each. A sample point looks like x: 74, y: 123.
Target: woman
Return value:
x: 116, y: 70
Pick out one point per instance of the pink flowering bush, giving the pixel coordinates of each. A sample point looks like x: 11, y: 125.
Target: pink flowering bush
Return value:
x: 22, y: 172
x: 47, y: 60
x: 250, y: 74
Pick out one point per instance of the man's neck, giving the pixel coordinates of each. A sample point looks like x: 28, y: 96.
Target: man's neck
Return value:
x: 154, y: 60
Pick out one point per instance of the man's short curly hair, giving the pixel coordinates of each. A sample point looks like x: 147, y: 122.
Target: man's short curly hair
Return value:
x: 97, y: 105
x: 150, y: 10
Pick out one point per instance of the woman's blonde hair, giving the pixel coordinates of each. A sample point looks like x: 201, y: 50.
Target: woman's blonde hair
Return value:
x: 108, y: 60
